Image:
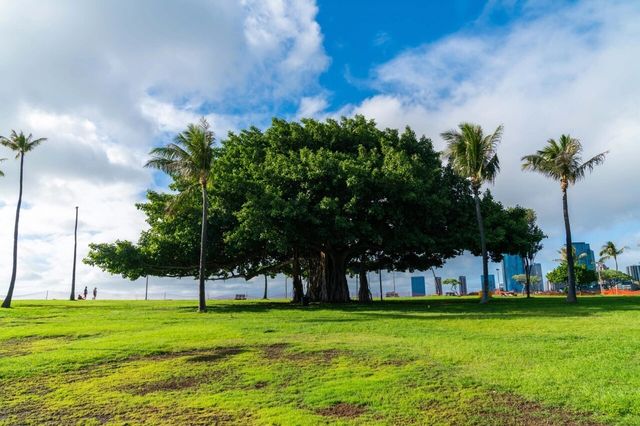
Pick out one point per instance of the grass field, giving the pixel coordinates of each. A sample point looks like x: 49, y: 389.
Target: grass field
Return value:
x: 420, y: 361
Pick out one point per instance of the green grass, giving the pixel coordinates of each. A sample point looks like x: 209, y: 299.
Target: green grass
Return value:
x: 421, y: 361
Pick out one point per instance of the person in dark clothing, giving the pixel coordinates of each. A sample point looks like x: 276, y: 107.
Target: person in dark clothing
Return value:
x: 95, y: 293
x: 86, y: 291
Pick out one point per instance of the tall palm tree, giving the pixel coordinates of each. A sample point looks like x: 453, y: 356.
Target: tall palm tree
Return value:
x: 20, y: 144
x: 610, y: 251
x: 562, y: 161
x: 189, y: 158
x: 472, y: 154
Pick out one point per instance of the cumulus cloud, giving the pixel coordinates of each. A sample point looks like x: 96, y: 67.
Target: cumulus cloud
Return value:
x: 570, y: 70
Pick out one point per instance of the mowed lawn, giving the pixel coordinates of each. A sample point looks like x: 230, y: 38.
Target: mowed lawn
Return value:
x: 419, y: 361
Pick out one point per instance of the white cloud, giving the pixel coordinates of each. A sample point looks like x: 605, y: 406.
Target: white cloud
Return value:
x: 105, y: 81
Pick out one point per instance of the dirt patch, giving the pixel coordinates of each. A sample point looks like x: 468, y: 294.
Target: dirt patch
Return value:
x: 173, y: 384
x: 275, y: 351
x: 342, y: 410
x: 509, y: 409
x: 279, y: 351
x: 216, y: 355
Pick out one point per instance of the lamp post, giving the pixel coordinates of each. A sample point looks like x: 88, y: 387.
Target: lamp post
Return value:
x: 75, y: 252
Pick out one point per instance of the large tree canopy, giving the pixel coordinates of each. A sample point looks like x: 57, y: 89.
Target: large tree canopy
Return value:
x: 315, y: 199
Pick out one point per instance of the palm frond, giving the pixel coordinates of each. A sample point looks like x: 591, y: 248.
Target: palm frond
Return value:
x: 561, y: 160
x: 189, y: 157
x: 20, y: 143
x: 589, y: 165
x: 471, y: 154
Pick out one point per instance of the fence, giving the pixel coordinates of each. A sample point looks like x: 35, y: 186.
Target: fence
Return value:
x: 617, y: 292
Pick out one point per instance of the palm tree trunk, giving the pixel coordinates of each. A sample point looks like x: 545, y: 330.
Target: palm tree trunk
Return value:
x: 202, y: 304
x: 75, y: 252
x: 571, y: 293
x: 12, y: 284
x: 615, y: 259
x: 265, y: 287
x: 483, y: 246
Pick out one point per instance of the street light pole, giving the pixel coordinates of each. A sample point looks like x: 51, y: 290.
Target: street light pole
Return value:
x: 75, y: 252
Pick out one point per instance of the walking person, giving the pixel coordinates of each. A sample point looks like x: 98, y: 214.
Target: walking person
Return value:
x: 86, y: 291
x: 95, y: 293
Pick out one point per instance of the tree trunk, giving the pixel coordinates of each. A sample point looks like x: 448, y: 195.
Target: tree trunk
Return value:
x: 264, y: 297
x: 12, y: 284
x: 380, y: 279
x: 202, y: 303
x: 571, y: 293
x: 75, y: 252
x: 328, y: 278
x: 483, y: 246
x: 364, y: 294
x: 527, y: 274
x: 298, y: 290
x: 615, y: 259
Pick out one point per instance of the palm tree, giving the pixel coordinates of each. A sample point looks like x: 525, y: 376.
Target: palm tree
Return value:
x: 562, y: 161
x: 473, y: 156
x: 563, y: 255
x: 21, y: 144
x: 189, y: 158
x: 609, y: 250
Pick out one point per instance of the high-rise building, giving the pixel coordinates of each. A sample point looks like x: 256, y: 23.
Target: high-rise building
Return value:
x: 418, y: 287
x: 492, y: 282
x: 463, y: 285
x: 585, y: 256
x: 512, y: 265
x: 634, y: 272
x: 536, y: 270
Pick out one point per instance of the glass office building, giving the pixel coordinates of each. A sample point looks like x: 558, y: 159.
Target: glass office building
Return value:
x: 492, y: 282
x: 585, y: 256
x: 512, y: 265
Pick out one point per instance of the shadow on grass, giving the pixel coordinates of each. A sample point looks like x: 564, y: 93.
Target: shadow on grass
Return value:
x: 448, y: 307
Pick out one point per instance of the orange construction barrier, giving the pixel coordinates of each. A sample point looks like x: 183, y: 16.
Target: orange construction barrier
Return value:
x: 617, y: 292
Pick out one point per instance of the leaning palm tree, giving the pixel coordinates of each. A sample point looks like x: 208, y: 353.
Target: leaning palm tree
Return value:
x: 189, y: 158
x: 562, y: 161
x: 610, y: 251
x: 472, y: 155
x: 21, y: 144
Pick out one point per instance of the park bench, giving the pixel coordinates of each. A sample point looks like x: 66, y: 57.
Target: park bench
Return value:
x: 241, y: 297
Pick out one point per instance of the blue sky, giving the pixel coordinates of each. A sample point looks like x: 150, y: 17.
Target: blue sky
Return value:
x: 122, y: 77
x: 362, y: 34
